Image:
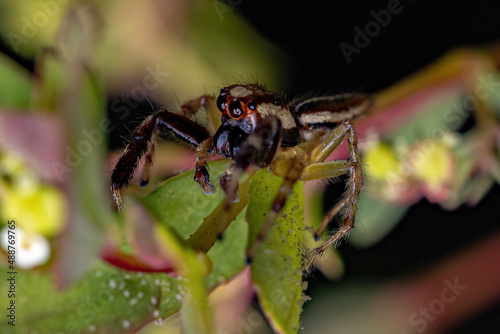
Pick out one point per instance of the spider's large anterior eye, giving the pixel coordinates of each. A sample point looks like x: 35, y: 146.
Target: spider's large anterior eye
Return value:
x: 277, y: 101
x: 251, y: 105
x: 222, y: 101
x: 235, y: 108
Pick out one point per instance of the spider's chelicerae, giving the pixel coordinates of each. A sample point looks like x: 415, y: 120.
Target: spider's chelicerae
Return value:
x: 259, y: 129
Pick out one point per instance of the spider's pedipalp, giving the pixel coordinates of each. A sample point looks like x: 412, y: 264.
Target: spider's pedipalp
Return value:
x: 258, y: 148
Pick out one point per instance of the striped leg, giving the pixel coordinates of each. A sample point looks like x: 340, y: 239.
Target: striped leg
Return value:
x: 354, y: 186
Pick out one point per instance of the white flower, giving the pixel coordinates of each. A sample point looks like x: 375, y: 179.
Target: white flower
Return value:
x: 31, y: 250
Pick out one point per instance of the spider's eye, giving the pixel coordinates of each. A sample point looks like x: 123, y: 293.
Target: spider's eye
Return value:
x: 235, y: 110
x: 277, y: 101
x: 222, y: 101
x: 251, y: 105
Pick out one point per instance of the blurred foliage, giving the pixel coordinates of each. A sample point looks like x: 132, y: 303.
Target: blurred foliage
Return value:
x: 102, y: 275
x: 78, y: 61
x: 442, y: 143
x: 16, y: 90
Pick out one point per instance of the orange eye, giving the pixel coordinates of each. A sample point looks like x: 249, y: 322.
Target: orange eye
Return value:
x: 235, y: 110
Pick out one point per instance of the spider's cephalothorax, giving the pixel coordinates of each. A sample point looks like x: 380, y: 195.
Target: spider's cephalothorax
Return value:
x: 259, y: 129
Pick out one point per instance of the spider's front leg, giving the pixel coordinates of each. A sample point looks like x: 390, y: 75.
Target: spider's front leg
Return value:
x: 324, y: 112
x: 169, y: 126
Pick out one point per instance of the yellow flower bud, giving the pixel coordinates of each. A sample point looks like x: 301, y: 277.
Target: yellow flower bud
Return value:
x: 380, y: 161
x: 41, y: 210
x: 432, y: 162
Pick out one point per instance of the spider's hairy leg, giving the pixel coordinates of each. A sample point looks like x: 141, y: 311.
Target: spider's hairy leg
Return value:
x: 334, y: 139
x: 201, y: 174
x: 258, y: 149
x: 148, y: 160
x: 354, y: 185
x: 328, y: 170
x: 163, y: 124
x: 291, y: 177
x: 126, y: 165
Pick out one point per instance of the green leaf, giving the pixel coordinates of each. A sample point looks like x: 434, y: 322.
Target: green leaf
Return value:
x: 189, y: 292
x: 277, y: 266
x: 196, y: 313
x: 104, y: 300
x: 228, y: 254
x: 195, y: 317
x: 180, y: 205
x: 206, y: 235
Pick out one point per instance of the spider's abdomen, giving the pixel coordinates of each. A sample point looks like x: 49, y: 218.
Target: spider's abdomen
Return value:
x: 328, y: 111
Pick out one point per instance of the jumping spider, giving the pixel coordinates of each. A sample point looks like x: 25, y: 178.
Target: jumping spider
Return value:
x: 259, y: 129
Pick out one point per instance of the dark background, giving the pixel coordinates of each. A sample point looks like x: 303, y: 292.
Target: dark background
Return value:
x: 310, y: 34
